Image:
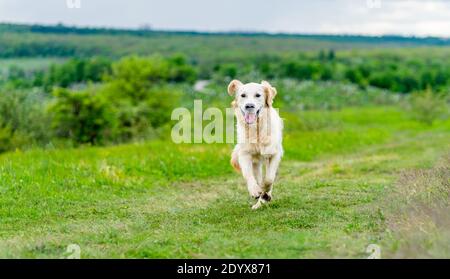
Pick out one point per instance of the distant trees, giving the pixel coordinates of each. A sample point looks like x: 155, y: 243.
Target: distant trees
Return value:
x: 395, y: 73
x: 93, y: 70
x: 72, y: 72
x: 65, y: 74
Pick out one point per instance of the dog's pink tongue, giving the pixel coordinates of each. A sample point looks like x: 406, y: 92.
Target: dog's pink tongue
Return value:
x: 250, y: 118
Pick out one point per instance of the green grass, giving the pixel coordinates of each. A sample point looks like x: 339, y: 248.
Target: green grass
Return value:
x: 158, y: 199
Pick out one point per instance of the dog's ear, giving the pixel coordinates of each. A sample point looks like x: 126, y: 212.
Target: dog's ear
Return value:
x: 269, y: 91
x: 234, y: 86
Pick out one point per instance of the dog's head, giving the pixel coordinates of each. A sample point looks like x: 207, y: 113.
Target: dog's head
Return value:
x: 251, y: 98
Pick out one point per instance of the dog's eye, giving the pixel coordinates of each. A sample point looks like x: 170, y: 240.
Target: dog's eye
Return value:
x: 243, y: 95
x: 258, y: 95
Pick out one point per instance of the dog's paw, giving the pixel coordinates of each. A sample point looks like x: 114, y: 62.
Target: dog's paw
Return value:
x: 255, y: 192
x: 257, y: 205
x: 261, y: 201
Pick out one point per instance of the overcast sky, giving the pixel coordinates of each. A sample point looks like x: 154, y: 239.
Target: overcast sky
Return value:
x: 373, y: 17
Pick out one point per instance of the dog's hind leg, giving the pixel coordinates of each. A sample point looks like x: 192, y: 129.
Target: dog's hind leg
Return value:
x: 235, y: 159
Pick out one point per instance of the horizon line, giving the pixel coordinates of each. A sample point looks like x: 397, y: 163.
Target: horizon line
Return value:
x: 149, y: 28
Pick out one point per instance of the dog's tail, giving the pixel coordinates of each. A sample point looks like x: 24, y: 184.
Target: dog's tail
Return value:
x: 235, y: 160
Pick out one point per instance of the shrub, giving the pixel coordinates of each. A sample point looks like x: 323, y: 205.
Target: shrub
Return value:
x: 131, y: 104
x: 133, y: 76
x: 355, y: 76
x: 180, y: 70
x: 135, y: 89
x: 228, y: 70
x: 427, y: 106
x: 301, y: 70
x: 23, y: 120
x: 84, y: 116
x: 17, y: 77
x: 9, y: 140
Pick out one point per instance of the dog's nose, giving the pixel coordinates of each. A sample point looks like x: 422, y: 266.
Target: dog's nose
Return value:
x: 249, y: 106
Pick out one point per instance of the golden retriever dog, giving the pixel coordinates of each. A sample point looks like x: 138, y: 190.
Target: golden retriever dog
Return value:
x: 259, y: 137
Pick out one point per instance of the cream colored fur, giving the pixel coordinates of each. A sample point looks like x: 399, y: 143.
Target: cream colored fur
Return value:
x: 259, y: 149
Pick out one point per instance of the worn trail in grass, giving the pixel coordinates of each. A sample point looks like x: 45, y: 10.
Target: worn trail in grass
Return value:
x: 114, y: 202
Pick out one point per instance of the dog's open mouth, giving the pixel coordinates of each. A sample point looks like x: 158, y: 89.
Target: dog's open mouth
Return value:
x: 250, y: 117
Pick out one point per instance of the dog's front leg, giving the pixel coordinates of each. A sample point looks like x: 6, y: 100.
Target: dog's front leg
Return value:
x: 246, y: 163
x: 272, y: 164
x: 257, y: 172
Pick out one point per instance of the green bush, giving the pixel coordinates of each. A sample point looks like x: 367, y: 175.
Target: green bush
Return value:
x: 228, y: 70
x: 17, y: 77
x: 23, y: 120
x: 427, y: 106
x: 84, y: 116
x: 139, y: 120
x: 180, y: 70
x: 134, y: 101
x: 132, y: 76
x: 138, y: 91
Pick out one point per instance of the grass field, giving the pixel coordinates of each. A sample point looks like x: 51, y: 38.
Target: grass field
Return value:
x: 157, y: 199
